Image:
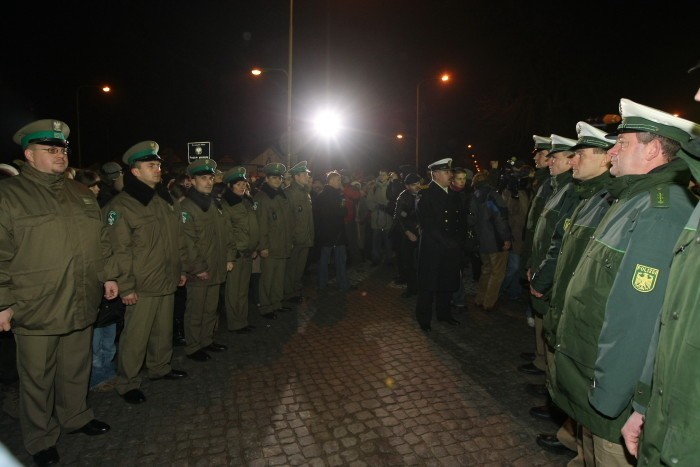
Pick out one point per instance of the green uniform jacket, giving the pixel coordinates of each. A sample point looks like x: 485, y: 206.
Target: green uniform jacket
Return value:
x: 302, y: 218
x: 536, y: 206
x: 672, y: 420
x: 147, y: 239
x: 240, y: 212
x: 53, y: 253
x: 547, y: 239
x: 594, y: 203
x: 275, y: 221
x: 612, y: 307
x: 208, y: 238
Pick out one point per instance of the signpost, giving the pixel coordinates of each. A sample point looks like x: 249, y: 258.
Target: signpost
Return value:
x: 199, y: 150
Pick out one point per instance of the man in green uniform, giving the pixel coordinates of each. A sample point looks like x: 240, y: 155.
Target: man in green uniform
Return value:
x: 611, y: 310
x: 240, y: 212
x: 590, y: 163
x: 54, y: 264
x: 209, y: 258
x: 144, y: 228
x: 274, y: 220
x: 544, y: 190
x: 668, y: 412
x: 302, y: 231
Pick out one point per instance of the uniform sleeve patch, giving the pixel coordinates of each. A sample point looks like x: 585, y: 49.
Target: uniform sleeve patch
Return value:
x: 112, y: 217
x: 185, y: 217
x: 567, y: 224
x: 644, y: 278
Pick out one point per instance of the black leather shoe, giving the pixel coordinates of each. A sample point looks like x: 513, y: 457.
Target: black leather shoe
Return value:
x: 134, y: 396
x: 450, y: 321
x: 284, y: 309
x: 92, y: 428
x: 199, y: 356
x: 408, y: 294
x: 537, y: 389
x: 214, y: 347
x: 250, y: 327
x: 270, y: 315
x: 527, y: 356
x: 244, y: 330
x: 550, y: 443
x: 48, y: 456
x: 298, y: 299
x: 426, y: 327
x: 530, y: 369
x: 542, y: 412
x: 173, y: 374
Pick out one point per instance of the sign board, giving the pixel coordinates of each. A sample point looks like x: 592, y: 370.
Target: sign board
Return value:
x: 200, y: 150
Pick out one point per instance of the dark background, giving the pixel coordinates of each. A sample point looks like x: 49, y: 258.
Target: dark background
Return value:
x: 180, y: 72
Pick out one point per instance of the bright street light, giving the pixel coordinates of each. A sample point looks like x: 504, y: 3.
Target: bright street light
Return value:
x: 327, y: 124
x: 399, y: 136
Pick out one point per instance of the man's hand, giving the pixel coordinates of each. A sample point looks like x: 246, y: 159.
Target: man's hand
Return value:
x: 254, y: 255
x: 130, y: 299
x: 529, y: 274
x: 204, y: 275
x: 229, y: 266
x: 506, y: 245
x: 264, y: 253
x: 111, y: 290
x: 411, y: 236
x: 5, y: 318
x: 535, y: 293
x: 631, y: 432
x: 183, y: 280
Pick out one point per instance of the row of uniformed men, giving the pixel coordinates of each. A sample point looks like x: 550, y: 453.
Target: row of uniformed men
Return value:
x: 605, y: 270
x: 57, y: 250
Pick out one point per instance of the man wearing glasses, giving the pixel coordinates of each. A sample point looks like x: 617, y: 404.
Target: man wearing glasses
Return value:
x: 53, y: 269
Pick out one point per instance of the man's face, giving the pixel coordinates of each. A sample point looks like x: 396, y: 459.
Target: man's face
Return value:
x: 335, y: 182
x: 203, y: 183
x: 95, y: 187
x: 239, y: 187
x: 459, y: 180
x: 275, y: 181
x: 187, y: 183
x: 383, y: 176
x: 558, y: 163
x: 540, y: 158
x: 627, y: 155
x: 317, y: 186
x: 41, y: 158
x: 413, y: 188
x: 303, y: 178
x: 147, y: 172
x: 587, y: 164
x: 442, y: 177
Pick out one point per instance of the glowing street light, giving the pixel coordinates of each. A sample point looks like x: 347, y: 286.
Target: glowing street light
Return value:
x: 327, y: 124
x: 444, y: 78
x: 399, y: 136
x: 104, y: 88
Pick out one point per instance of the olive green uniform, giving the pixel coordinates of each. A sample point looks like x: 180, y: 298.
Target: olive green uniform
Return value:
x: 302, y: 238
x: 207, y: 236
x: 53, y: 249
x: 149, y: 249
x: 240, y: 212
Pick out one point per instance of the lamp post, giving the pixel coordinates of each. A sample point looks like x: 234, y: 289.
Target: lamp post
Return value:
x: 105, y: 89
x: 444, y: 78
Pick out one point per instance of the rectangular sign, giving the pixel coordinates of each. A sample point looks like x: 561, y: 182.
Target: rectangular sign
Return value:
x: 199, y: 150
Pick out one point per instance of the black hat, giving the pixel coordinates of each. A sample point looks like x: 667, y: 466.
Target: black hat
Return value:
x: 411, y: 179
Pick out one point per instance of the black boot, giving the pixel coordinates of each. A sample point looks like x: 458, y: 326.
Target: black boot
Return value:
x: 179, y: 333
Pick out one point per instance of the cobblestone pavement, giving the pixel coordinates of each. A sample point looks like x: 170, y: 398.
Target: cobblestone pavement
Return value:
x: 346, y: 379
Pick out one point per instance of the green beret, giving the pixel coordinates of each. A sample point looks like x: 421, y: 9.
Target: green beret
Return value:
x: 49, y: 132
x: 640, y: 118
x: 234, y: 175
x: 299, y: 168
x: 274, y: 168
x: 202, y: 167
x: 141, y: 152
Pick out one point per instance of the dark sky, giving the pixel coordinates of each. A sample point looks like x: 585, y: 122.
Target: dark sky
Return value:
x: 180, y: 73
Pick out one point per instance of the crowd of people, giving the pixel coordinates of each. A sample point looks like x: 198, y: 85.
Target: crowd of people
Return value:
x: 103, y: 272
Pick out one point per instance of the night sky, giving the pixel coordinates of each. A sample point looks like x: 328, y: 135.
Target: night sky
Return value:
x: 180, y: 72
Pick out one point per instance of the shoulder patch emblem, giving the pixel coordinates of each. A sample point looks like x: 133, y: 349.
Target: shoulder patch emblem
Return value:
x: 567, y: 224
x: 185, y: 217
x: 255, y: 206
x: 644, y: 278
x: 112, y: 217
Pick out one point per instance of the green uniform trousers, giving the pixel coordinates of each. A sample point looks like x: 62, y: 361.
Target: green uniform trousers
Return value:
x: 294, y: 271
x: 53, y: 372
x: 271, y: 283
x: 147, y: 334
x: 237, y: 283
x: 200, y: 316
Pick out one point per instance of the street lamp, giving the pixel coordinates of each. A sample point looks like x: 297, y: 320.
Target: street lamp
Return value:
x: 444, y: 78
x: 103, y: 88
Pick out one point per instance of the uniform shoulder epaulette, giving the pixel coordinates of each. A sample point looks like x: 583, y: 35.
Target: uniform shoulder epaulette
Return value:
x: 660, y: 196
